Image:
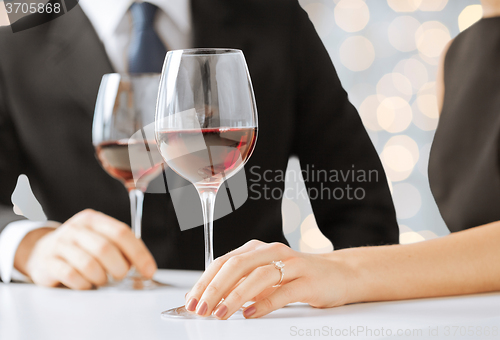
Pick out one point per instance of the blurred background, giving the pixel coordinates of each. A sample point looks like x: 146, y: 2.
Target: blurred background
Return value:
x: 386, y: 54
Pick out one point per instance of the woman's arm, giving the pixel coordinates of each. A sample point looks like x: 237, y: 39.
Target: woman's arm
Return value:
x: 461, y: 263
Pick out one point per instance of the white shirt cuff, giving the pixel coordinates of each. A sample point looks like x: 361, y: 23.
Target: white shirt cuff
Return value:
x: 10, y: 238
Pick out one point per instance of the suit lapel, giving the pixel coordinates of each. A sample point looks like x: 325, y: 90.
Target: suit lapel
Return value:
x: 78, y: 57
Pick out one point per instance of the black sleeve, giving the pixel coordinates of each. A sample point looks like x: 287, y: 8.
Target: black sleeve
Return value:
x: 10, y: 155
x: 331, y: 138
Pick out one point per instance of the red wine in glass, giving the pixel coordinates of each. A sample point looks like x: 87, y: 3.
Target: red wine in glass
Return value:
x: 207, y: 155
x: 115, y: 158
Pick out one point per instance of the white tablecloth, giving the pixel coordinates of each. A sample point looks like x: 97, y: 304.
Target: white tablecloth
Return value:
x: 36, y: 313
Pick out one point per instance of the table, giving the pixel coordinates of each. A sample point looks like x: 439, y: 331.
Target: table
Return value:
x: 36, y: 313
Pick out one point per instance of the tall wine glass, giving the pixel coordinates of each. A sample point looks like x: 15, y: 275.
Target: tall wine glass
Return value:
x: 206, y: 125
x: 123, y: 137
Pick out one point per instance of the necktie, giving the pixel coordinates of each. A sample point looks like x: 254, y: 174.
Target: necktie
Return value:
x: 146, y: 50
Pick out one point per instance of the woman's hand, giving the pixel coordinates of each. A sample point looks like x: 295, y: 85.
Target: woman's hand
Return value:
x: 246, y: 274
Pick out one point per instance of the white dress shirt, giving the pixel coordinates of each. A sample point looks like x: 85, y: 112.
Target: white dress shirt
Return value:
x: 113, y: 24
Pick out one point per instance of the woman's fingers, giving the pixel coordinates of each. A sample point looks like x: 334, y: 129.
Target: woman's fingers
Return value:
x: 259, y: 280
x: 237, y: 267
x: 294, y: 291
x: 195, y: 293
x: 83, y: 262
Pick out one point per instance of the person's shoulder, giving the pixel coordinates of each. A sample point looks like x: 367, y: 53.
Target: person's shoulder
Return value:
x: 476, y: 34
x: 5, y: 33
x: 15, y: 39
x: 32, y: 25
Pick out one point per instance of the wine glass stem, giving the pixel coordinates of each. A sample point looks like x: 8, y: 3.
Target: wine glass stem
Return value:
x: 207, y: 197
x: 136, y: 201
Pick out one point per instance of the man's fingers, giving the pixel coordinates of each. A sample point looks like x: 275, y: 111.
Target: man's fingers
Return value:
x: 83, y: 262
x: 103, y: 250
x: 288, y: 293
x: 193, y: 296
x: 121, y: 235
x: 67, y: 275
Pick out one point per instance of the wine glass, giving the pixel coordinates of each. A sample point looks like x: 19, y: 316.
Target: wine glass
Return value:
x: 206, y: 125
x: 123, y: 137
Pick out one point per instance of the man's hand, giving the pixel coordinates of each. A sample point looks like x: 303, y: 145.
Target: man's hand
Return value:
x: 82, y: 251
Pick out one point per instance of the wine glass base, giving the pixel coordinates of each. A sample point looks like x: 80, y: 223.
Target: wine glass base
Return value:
x: 135, y: 281
x: 138, y: 283
x: 183, y: 313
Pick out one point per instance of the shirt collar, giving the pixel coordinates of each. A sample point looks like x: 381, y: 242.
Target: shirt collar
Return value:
x: 106, y: 15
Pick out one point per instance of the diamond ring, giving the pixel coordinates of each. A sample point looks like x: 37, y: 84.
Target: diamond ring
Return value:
x: 280, y: 266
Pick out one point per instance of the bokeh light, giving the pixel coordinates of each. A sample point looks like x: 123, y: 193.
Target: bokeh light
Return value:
x: 414, y: 70
x: 407, y: 200
x: 431, y: 38
x: 469, y: 16
x: 399, y: 157
x: 394, y: 114
x: 428, y: 234
x: 427, y: 104
x: 291, y: 215
x: 357, y: 53
x: 404, y: 5
x: 352, y: 15
x: 425, y: 108
x: 432, y: 5
x: 378, y: 35
x: 368, y: 112
x: 408, y: 236
x: 394, y: 85
x: 312, y: 240
x: 402, y: 32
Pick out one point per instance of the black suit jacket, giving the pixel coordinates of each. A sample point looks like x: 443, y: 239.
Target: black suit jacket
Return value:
x: 49, y: 78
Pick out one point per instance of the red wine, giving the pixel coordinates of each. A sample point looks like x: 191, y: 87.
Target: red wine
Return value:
x: 207, y: 155
x: 134, y: 163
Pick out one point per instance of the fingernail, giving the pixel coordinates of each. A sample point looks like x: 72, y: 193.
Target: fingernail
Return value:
x: 202, y: 309
x: 249, y: 311
x: 221, y: 311
x: 191, y: 305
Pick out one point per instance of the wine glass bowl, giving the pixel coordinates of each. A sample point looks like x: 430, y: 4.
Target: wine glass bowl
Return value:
x: 226, y: 151
x: 206, y: 125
